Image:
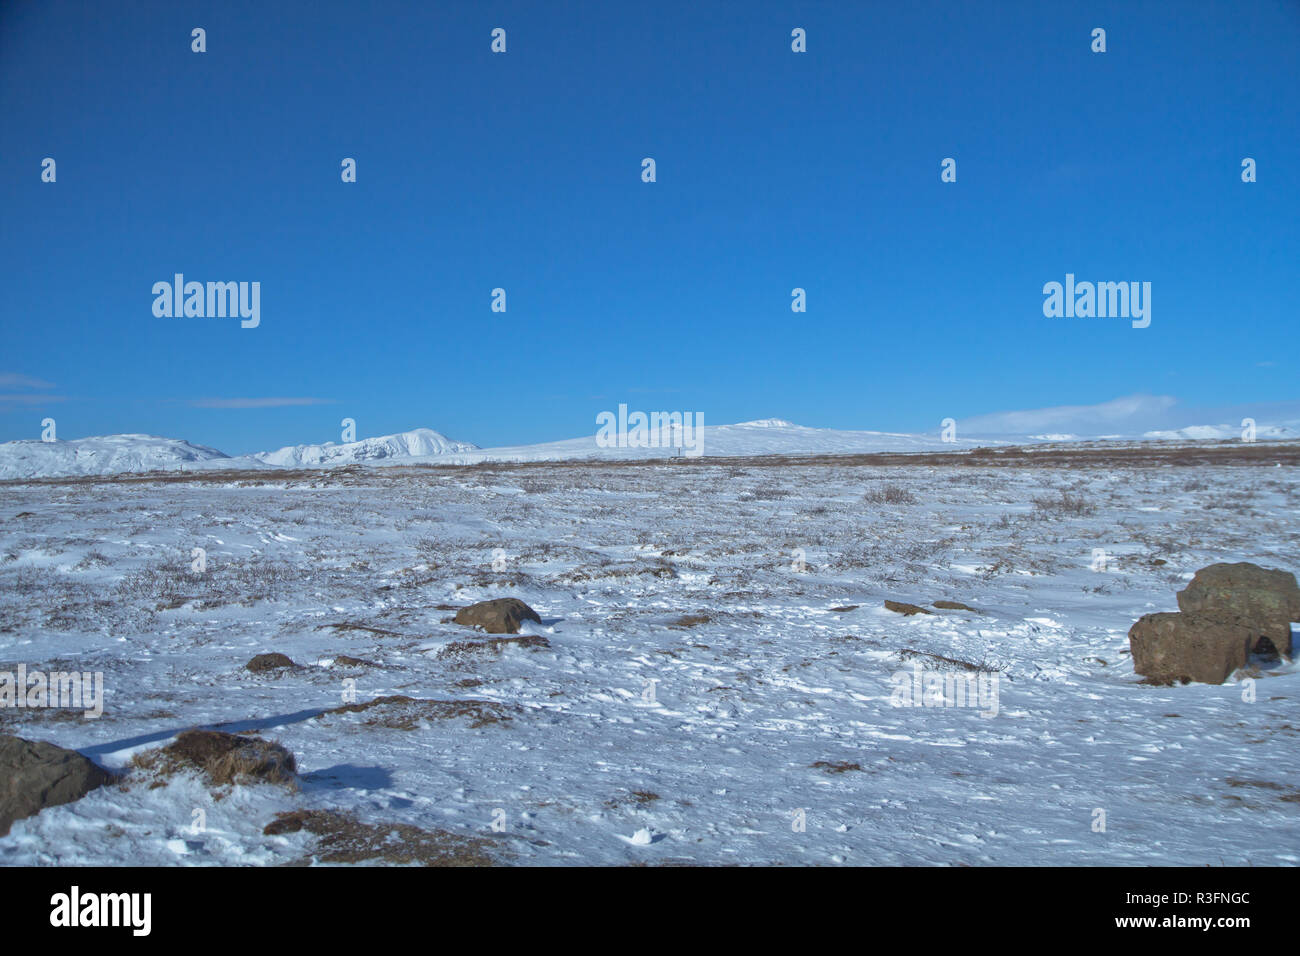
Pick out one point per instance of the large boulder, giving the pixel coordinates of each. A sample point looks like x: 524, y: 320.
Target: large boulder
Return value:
x: 1265, y: 599
x: 1190, y: 646
x: 35, y: 775
x: 502, y: 616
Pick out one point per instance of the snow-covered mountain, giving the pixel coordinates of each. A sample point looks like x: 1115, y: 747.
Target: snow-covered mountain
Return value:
x: 1281, y: 430
x: 768, y: 436
x: 417, y: 443
x: 102, y: 455
x: 113, y: 454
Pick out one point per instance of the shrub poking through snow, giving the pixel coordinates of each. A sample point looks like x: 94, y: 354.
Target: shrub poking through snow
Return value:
x: 889, y: 495
x: 1075, y: 506
x: 399, y: 712
x: 465, y: 650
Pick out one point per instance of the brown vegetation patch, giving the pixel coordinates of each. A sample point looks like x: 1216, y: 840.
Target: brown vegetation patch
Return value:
x: 1288, y: 794
x: 341, y: 838
x: 462, y: 650
x: 691, y: 620
x: 357, y: 626
x: 344, y: 661
x: 910, y: 654
x: 224, y: 758
x: 834, y: 766
x: 399, y: 712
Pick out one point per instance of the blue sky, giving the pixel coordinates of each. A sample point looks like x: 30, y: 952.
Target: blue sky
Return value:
x: 775, y: 170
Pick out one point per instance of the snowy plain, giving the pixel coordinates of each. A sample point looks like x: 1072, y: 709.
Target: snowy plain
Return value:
x: 749, y: 596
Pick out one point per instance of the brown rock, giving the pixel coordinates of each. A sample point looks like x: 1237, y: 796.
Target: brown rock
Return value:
x: 904, y: 608
x: 953, y: 606
x: 1264, y: 599
x: 35, y: 775
x: 268, y: 662
x: 343, y: 660
x: 502, y: 616
x: 1189, y: 646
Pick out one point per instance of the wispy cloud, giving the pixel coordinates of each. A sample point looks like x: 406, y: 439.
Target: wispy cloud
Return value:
x: 15, y: 380
x: 258, y: 402
x: 1130, y: 413
x: 30, y: 398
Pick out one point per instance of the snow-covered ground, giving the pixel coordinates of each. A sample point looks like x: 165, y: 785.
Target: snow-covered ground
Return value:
x: 720, y: 663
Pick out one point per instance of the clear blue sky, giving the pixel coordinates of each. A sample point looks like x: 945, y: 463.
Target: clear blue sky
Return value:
x: 523, y: 171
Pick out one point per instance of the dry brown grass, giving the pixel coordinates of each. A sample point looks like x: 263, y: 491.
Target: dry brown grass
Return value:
x: 911, y: 654
x: 226, y: 759
x: 1096, y: 455
x: 476, y: 650
x: 889, y: 495
x: 1284, y: 793
x: 691, y: 620
x: 341, y: 838
x: 399, y: 712
x: 832, y: 766
x: 1075, y: 506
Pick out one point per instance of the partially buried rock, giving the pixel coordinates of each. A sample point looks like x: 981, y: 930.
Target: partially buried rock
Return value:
x: 953, y: 606
x: 269, y: 662
x: 1264, y: 599
x: 1189, y: 646
x: 343, y: 660
x: 902, y: 607
x: 35, y: 775
x: 502, y: 616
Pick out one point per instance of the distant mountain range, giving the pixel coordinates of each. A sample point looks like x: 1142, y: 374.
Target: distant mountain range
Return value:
x: 115, y: 454
x: 417, y: 443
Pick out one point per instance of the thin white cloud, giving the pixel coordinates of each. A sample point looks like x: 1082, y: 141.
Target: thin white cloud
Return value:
x: 31, y: 399
x: 258, y: 402
x: 1131, y: 415
x: 15, y: 380
x: 1127, y: 414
